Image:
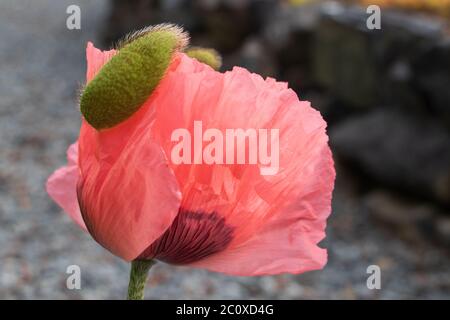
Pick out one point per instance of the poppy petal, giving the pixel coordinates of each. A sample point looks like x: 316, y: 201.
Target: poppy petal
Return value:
x: 62, y: 186
x: 128, y: 195
x: 257, y: 207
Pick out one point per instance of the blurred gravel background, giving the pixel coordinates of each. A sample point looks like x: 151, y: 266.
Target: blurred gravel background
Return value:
x: 42, y: 65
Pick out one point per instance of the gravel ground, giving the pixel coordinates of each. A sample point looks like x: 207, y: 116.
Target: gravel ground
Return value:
x: 42, y: 66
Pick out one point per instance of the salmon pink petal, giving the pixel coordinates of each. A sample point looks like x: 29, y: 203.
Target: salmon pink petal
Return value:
x: 96, y: 59
x: 62, y: 186
x: 288, y: 242
x: 247, y: 214
x: 128, y: 194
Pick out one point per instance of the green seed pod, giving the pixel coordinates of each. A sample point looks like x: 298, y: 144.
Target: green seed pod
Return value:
x: 208, y: 56
x: 129, y: 78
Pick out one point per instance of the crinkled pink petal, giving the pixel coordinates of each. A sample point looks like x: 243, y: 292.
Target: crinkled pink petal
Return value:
x: 96, y: 59
x: 277, y: 220
x: 288, y: 241
x: 128, y: 195
x: 62, y: 186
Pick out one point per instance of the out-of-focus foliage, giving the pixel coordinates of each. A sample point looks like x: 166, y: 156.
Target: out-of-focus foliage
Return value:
x: 441, y: 7
x: 299, y: 2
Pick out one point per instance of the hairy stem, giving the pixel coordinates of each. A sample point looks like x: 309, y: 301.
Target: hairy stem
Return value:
x: 138, y: 278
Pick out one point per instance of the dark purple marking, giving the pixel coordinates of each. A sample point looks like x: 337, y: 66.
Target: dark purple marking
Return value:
x: 191, y: 237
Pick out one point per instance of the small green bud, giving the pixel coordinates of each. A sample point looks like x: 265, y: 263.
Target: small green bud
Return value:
x: 129, y: 78
x: 208, y: 56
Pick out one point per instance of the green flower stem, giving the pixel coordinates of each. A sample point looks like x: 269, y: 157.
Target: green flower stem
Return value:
x: 138, y: 278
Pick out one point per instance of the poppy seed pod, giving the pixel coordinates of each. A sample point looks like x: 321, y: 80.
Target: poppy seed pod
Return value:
x: 130, y: 77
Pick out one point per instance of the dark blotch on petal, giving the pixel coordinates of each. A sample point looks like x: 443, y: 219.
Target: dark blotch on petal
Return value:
x: 191, y: 237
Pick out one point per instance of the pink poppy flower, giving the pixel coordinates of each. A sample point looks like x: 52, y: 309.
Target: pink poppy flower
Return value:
x: 121, y: 185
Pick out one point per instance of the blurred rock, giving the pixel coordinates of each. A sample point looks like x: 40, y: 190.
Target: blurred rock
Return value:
x: 222, y: 32
x: 254, y: 56
x: 344, y: 59
x: 285, y: 20
x: 222, y: 24
x: 367, y: 67
x: 432, y: 77
x: 398, y: 149
x: 289, y: 34
x: 441, y: 230
x: 125, y: 16
x: 227, y: 24
x: 405, y: 219
x: 412, y: 220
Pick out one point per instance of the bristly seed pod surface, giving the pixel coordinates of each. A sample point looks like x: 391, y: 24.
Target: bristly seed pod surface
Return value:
x: 129, y: 78
x: 206, y: 55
